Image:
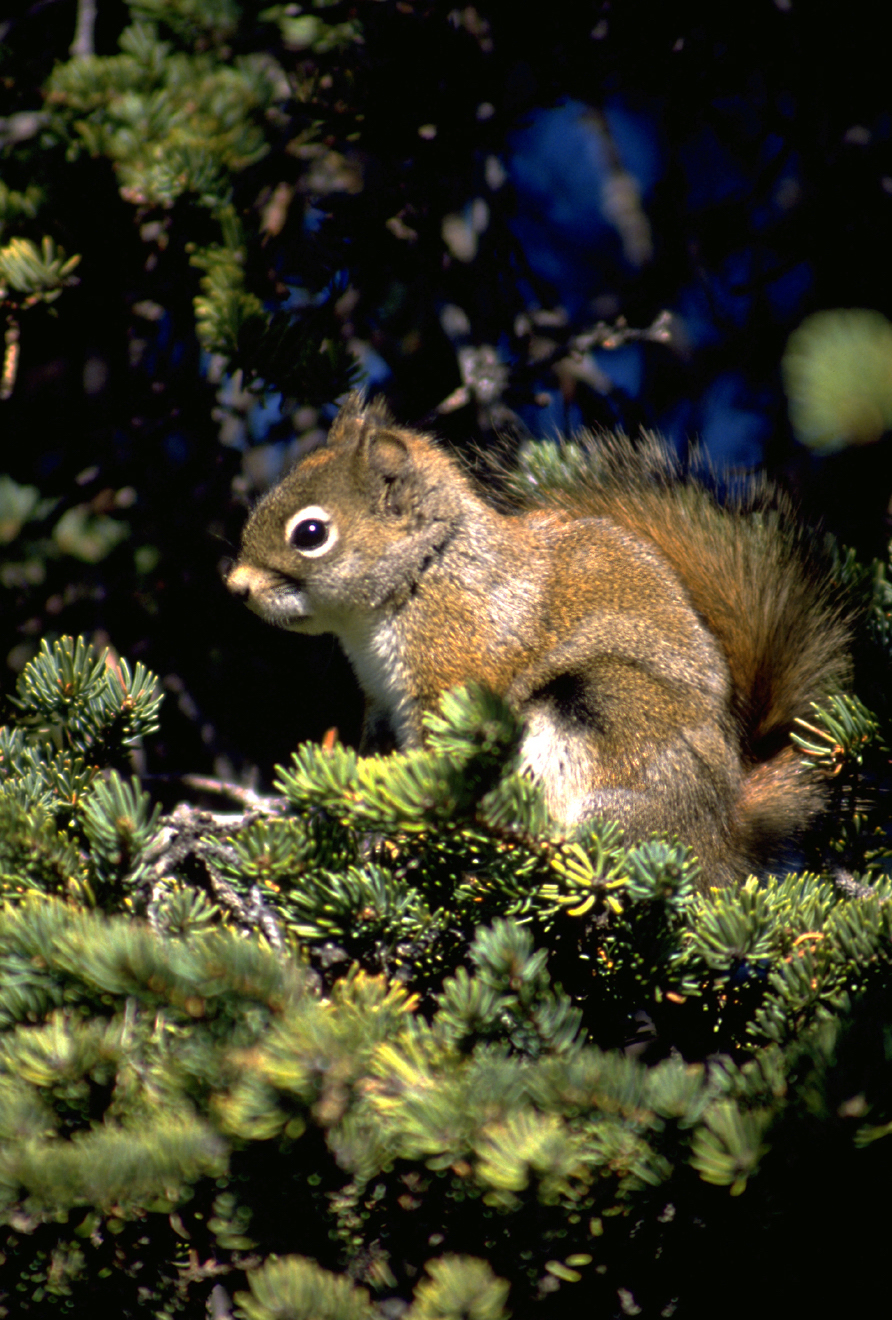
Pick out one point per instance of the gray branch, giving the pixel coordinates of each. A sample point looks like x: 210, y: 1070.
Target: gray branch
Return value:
x: 82, y: 46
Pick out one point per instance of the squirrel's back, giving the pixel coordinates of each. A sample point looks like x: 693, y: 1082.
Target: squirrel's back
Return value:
x: 762, y: 586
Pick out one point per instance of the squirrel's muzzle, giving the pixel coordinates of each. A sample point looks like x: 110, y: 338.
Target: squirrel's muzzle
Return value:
x: 239, y: 581
x: 277, y: 598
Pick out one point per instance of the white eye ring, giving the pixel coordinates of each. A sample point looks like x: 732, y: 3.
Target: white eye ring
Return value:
x: 318, y: 523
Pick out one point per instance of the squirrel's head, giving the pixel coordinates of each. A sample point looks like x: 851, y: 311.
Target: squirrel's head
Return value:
x: 351, y: 527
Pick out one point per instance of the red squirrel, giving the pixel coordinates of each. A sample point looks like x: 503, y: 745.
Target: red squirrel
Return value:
x: 659, y: 645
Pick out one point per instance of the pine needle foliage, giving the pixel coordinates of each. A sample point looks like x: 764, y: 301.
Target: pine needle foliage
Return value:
x: 400, y: 1041
x: 29, y: 274
x: 181, y: 122
x: 76, y: 714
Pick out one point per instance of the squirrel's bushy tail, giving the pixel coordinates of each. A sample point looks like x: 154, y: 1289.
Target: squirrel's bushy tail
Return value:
x: 763, y: 588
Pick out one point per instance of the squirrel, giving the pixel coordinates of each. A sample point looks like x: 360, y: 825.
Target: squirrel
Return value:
x: 658, y: 643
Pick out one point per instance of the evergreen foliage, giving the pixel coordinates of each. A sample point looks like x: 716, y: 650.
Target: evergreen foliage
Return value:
x: 179, y: 121
x: 322, y: 1067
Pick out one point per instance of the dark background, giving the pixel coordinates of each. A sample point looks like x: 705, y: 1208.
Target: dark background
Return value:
x: 457, y: 194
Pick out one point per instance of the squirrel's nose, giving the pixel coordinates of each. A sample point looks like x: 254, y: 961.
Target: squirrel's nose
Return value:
x: 239, y: 581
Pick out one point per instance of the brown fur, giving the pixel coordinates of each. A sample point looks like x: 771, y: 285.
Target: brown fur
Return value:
x: 659, y: 644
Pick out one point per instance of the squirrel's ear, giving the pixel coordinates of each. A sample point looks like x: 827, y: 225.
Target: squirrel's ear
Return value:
x: 355, y: 416
x: 347, y: 426
x: 388, y: 456
x: 384, y: 466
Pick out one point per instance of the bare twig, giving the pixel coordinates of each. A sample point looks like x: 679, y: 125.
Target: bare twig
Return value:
x: 10, y: 358
x: 245, y: 797
x: 82, y: 46
x: 485, y: 377
x: 22, y: 125
x: 846, y: 883
x: 604, y: 335
x: 238, y: 793
x: 190, y: 835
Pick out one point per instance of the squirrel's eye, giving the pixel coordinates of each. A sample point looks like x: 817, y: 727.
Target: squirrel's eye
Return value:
x: 311, y: 531
x: 309, y: 534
